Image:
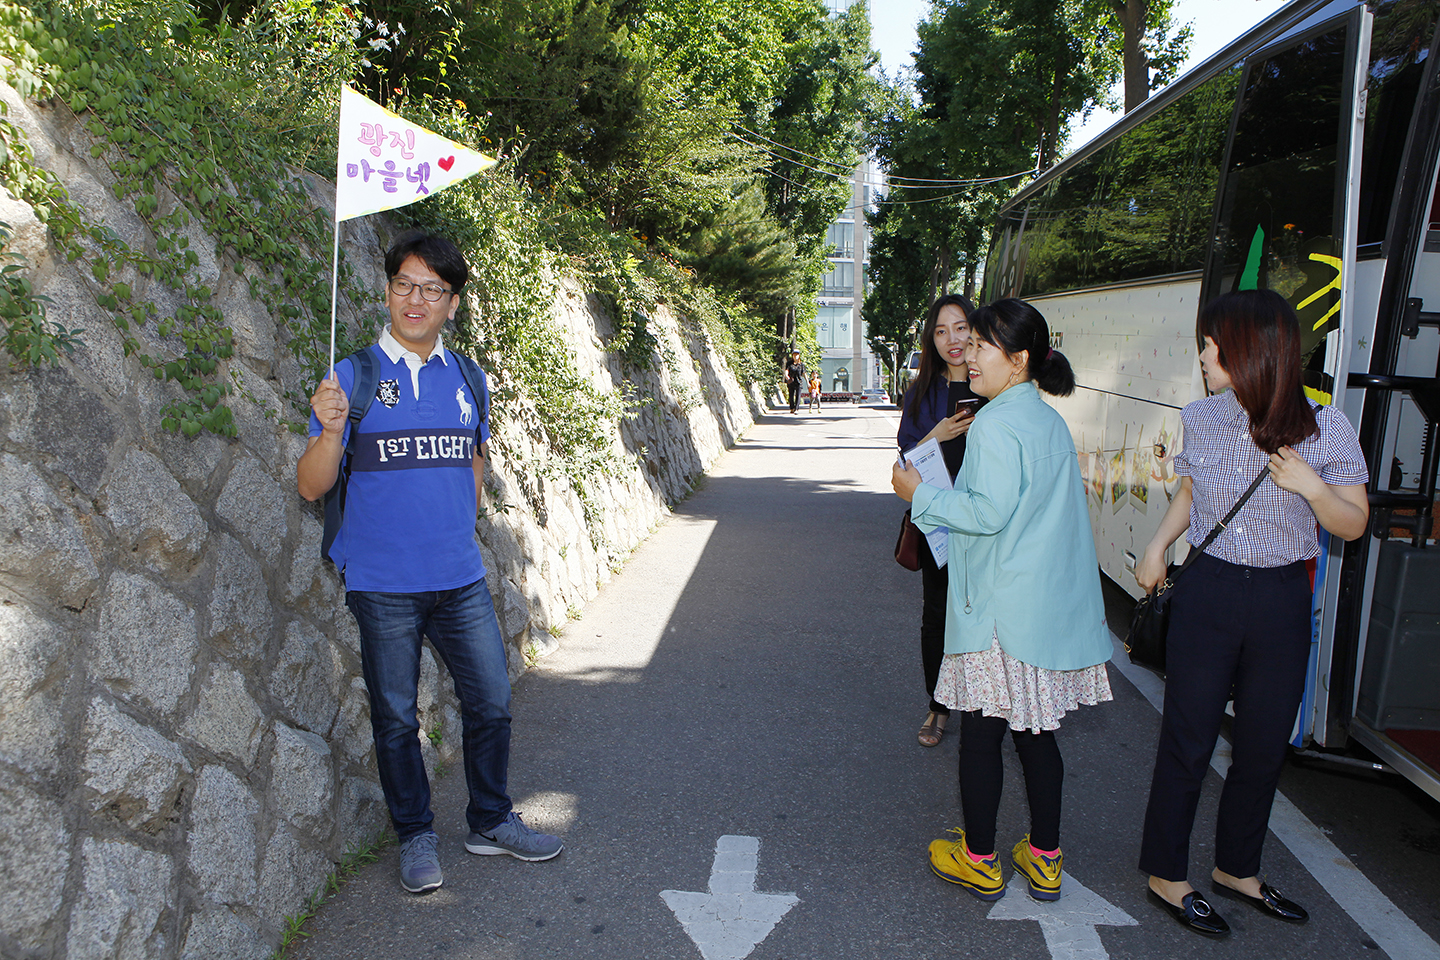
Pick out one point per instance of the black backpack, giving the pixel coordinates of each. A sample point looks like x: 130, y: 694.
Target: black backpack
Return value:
x: 362, y: 394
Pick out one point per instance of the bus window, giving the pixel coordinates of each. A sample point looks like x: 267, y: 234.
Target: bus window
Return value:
x: 1398, y: 47
x: 1432, y: 229
x: 1139, y: 208
x: 1281, y: 218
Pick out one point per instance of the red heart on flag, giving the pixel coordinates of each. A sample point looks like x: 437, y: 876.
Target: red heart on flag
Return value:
x: 446, y: 163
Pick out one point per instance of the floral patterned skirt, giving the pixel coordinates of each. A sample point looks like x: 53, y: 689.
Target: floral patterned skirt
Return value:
x: 1029, y: 698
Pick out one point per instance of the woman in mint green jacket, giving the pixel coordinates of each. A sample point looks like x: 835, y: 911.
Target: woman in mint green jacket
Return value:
x: 1025, y: 633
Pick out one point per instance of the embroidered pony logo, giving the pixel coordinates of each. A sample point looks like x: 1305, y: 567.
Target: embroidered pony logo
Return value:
x: 467, y: 412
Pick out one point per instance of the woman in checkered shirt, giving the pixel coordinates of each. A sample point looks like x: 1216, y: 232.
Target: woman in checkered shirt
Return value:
x: 1240, y: 619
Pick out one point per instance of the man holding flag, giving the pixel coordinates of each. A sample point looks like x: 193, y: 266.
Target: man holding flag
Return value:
x: 403, y: 513
x: 411, y: 564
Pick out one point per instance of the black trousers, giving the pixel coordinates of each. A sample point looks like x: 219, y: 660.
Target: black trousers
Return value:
x: 793, y: 390
x: 1245, y: 629
x: 936, y: 583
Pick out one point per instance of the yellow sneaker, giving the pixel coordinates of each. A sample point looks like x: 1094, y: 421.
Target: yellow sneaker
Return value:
x: 950, y: 859
x: 1042, y: 872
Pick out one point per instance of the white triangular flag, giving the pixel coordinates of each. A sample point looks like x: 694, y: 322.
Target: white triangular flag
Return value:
x: 385, y: 161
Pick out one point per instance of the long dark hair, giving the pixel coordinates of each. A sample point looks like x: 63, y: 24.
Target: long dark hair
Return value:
x: 1014, y: 325
x: 932, y: 365
x: 1257, y: 337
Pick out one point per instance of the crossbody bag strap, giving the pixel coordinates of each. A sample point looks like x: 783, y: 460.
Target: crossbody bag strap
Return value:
x: 1215, y: 531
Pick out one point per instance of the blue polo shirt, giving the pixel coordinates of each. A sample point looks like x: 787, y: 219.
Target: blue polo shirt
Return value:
x: 410, y: 506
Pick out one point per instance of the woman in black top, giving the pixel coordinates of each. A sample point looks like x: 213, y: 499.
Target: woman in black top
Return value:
x: 929, y: 409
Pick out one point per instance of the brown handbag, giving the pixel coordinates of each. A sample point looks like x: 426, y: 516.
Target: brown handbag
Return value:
x: 907, y: 545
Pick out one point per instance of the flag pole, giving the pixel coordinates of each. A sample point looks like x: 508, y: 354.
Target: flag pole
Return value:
x: 334, y: 290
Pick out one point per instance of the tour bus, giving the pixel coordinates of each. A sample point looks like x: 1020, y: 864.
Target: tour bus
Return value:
x: 1301, y: 158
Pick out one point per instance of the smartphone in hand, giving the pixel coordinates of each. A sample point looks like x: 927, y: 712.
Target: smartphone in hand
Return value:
x: 967, y: 406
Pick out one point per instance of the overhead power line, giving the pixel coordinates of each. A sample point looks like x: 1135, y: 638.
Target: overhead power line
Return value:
x: 846, y: 172
x: 933, y: 185
x: 910, y: 182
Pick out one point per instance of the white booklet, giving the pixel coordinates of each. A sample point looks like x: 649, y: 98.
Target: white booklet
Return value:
x: 927, y: 458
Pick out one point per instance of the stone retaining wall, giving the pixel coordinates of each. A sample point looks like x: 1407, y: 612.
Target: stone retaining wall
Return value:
x: 184, y: 741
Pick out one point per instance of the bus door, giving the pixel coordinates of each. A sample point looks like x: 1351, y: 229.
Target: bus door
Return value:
x: 1388, y: 642
x: 1285, y: 218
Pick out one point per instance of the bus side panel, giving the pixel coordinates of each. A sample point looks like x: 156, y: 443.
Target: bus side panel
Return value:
x: 1134, y: 355
x: 1130, y: 483
x: 1087, y: 414
x: 1136, y: 342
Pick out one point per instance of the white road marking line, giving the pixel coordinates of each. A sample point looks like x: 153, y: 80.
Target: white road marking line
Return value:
x: 1385, y: 923
x: 1069, y: 923
x: 730, y: 921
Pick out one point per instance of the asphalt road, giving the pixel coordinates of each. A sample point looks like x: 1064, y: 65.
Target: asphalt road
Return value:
x: 754, y: 671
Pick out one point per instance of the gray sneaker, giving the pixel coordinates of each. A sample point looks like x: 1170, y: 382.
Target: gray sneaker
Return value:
x: 513, y: 837
x: 420, y: 864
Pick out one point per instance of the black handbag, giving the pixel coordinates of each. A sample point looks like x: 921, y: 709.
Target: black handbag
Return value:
x: 907, y: 545
x: 1150, y: 623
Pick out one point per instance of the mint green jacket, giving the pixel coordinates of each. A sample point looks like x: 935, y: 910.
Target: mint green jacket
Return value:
x: 1022, y: 556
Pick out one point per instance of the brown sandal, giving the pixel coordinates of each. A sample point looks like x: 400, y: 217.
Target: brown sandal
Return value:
x: 933, y: 730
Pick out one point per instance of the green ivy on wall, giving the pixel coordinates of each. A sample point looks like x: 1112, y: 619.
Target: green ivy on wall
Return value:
x: 203, y: 130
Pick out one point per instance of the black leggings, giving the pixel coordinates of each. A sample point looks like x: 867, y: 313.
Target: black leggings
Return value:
x: 982, y: 776
x: 936, y: 582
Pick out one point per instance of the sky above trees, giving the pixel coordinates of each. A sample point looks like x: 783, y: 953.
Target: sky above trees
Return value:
x: 1216, y: 23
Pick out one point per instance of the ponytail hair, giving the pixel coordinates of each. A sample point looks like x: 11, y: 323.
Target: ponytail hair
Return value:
x: 1257, y: 337
x: 1014, y: 325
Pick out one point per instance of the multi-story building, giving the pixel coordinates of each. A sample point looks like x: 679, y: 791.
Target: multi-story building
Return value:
x: 848, y: 364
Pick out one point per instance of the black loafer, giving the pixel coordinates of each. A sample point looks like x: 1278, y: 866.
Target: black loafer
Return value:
x: 1269, y: 902
x: 1194, y: 913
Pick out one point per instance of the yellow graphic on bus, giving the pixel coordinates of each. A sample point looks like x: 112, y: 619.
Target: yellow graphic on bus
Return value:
x: 1334, y: 284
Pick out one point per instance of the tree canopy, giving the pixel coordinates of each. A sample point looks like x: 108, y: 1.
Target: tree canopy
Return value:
x: 994, y: 87
x: 662, y: 116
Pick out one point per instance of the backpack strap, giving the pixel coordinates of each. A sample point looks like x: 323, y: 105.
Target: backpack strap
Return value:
x: 362, y: 394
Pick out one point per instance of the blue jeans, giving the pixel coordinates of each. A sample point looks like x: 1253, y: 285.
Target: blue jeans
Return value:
x: 462, y: 628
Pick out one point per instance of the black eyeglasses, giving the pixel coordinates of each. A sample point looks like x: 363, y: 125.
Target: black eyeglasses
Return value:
x: 430, y: 291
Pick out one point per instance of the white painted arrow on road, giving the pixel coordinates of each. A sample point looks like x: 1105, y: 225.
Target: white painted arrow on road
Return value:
x: 729, y: 921
x: 1068, y: 923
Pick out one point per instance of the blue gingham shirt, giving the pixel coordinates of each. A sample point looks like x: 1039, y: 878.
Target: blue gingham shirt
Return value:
x: 1275, y: 527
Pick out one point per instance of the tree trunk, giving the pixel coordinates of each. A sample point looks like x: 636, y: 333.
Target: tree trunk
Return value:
x: 944, y: 268
x: 1048, y: 145
x: 970, y: 280
x: 785, y: 333
x: 1132, y: 15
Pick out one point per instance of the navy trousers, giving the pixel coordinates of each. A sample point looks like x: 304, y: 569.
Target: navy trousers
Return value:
x: 1240, y: 629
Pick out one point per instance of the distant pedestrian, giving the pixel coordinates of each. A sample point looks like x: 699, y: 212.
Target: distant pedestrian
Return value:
x: 1240, y: 617
x: 815, y: 391
x: 408, y: 553
x: 929, y: 410
x: 1025, y: 633
x: 795, y: 379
